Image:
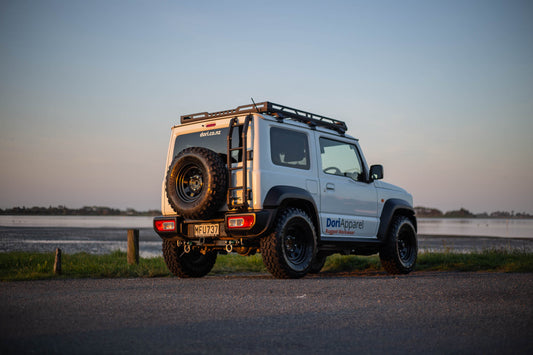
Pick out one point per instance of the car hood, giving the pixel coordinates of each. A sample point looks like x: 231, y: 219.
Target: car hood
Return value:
x: 385, y: 185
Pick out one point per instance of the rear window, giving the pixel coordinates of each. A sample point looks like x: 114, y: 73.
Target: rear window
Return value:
x: 289, y: 148
x: 215, y: 140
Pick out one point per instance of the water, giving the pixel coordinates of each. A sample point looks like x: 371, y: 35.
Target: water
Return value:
x: 503, y: 228
x: 77, y: 221
x: 104, y: 234
x: 90, y: 234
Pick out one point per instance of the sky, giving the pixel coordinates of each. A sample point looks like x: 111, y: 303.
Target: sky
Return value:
x: 439, y: 92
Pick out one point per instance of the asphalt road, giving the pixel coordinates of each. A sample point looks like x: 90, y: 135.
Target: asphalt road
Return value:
x: 424, y: 313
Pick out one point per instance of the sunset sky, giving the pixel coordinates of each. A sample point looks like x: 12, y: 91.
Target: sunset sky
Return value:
x: 439, y: 92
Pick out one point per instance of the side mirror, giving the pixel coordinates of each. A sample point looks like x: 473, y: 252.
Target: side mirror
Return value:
x: 376, y: 172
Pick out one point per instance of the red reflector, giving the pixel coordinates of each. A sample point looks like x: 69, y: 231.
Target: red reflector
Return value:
x: 241, y: 221
x: 165, y: 225
x: 210, y: 125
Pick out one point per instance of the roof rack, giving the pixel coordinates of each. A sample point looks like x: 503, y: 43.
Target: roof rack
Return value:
x: 279, y: 111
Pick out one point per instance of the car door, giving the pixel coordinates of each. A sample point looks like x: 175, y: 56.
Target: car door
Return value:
x: 348, y: 204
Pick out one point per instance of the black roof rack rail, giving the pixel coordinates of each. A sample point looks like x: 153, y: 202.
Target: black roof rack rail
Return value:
x: 279, y: 111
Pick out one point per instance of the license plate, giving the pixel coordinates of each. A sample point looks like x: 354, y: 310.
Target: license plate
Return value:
x: 206, y: 230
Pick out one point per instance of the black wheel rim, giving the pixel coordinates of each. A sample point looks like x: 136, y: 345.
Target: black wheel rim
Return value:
x: 297, y: 245
x: 407, y: 246
x: 190, y: 183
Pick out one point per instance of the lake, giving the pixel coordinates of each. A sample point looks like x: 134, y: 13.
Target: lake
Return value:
x: 90, y: 234
x: 77, y: 221
x: 482, y: 227
x: 104, y: 234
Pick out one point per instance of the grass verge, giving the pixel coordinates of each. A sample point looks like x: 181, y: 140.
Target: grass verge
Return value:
x: 16, y: 266
x: 33, y: 266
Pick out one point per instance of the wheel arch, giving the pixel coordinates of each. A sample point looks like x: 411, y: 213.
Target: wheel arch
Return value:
x: 395, y: 207
x: 279, y: 197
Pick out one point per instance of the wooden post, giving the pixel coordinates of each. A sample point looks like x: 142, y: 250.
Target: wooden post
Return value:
x: 57, y: 263
x: 133, y: 246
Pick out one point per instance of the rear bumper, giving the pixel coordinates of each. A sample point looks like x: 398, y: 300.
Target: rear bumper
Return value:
x: 184, y: 228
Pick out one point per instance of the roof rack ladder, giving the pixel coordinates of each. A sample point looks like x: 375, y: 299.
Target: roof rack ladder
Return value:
x: 244, y: 167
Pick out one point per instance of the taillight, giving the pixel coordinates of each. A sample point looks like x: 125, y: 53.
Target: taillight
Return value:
x: 165, y: 225
x: 241, y: 221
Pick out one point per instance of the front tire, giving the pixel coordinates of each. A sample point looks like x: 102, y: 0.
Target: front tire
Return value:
x: 399, y: 254
x: 186, y: 265
x: 289, y: 250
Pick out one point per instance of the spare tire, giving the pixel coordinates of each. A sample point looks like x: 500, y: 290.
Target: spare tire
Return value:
x: 196, y: 183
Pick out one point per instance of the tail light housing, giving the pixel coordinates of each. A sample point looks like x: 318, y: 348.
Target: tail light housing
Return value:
x: 165, y: 225
x: 241, y: 221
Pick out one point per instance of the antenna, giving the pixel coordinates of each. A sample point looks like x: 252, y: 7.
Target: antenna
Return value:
x: 254, y: 104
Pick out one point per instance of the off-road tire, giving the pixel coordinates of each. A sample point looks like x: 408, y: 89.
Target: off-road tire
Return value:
x: 186, y: 265
x: 197, y: 182
x: 289, y: 250
x: 398, y: 255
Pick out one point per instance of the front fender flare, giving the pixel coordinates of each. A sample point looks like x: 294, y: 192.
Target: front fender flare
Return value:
x: 390, y: 208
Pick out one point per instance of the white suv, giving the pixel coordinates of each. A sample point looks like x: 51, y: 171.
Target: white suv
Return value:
x: 287, y: 183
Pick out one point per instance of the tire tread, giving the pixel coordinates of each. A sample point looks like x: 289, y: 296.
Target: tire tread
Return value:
x: 388, y: 254
x: 216, y: 190
x: 271, y: 246
x: 177, y: 264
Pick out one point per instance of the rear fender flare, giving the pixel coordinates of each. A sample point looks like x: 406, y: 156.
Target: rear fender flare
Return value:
x: 281, y: 195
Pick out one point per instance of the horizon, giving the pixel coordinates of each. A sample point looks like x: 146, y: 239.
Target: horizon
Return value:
x: 489, y: 213
x: 439, y: 93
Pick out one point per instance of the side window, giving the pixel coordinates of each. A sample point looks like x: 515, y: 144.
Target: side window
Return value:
x: 289, y: 148
x: 339, y: 158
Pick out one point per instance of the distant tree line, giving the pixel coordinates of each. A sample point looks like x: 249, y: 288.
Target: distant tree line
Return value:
x: 427, y: 212
x: 424, y: 212
x: 84, y: 211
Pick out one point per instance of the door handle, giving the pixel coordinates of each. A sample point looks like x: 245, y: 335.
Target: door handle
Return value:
x: 330, y: 186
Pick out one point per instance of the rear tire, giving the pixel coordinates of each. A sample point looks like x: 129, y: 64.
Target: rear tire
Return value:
x: 186, y: 265
x: 398, y: 255
x: 289, y: 250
